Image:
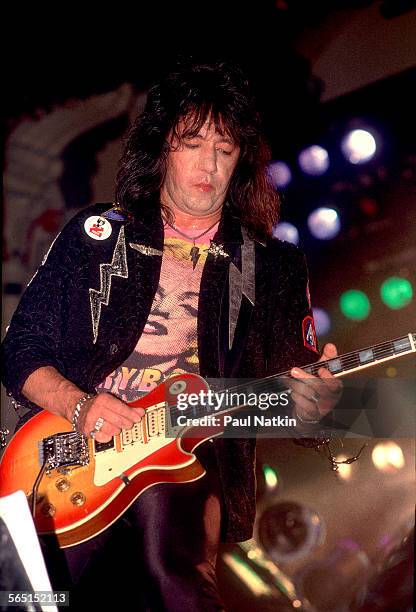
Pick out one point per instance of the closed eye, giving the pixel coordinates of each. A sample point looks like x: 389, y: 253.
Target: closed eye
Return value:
x: 192, y: 311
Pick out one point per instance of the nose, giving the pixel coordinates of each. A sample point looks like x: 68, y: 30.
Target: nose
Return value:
x: 208, y: 161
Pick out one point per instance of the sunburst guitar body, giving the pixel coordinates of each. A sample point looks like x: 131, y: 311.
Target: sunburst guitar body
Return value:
x: 85, y: 486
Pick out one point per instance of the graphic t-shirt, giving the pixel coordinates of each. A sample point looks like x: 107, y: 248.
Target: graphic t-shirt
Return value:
x: 168, y: 344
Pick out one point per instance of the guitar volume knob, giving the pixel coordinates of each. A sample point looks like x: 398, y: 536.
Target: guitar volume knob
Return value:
x: 48, y: 509
x: 62, y: 484
x: 78, y: 498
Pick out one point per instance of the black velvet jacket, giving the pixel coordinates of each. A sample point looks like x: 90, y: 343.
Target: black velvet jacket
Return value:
x: 53, y: 324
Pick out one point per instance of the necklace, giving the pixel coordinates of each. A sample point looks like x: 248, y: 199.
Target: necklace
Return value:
x: 194, y: 252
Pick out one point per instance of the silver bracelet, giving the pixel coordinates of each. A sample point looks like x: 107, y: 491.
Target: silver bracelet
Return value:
x: 306, y: 422
x: 78, y: 407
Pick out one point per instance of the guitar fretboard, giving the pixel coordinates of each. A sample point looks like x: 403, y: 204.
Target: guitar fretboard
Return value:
x: 353, y: 361
x: 364, y: 358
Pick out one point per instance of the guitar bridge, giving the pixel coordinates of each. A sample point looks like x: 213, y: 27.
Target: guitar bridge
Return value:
x: 69, y: 449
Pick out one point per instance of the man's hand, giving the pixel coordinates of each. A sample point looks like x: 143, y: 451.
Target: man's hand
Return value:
x: 104, y: 414
x: 114, y: 415
x: 315, y: 396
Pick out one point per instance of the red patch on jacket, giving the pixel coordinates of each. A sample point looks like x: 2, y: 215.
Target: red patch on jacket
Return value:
x: 309, y: 334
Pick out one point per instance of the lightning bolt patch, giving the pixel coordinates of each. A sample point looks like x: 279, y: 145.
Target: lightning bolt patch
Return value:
x: 117, y: 267
x: 241, y: 283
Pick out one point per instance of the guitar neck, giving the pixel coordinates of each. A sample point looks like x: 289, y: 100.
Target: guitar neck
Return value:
x: 365, y: 358
x: 355, y: 361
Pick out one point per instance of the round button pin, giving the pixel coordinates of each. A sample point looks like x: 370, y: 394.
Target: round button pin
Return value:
x: 98, y: 228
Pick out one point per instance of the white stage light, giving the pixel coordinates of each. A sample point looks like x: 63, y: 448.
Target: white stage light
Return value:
x: 279, y: 173
x: 286, y: 231
x: 314, y: 160
x: 358, y: 146
x: 324, y: 223
x: 322, y: 321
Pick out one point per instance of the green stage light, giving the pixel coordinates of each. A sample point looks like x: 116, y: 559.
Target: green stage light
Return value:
x: 355, y: 305
x: 396, y: 292
x: 270, y: 476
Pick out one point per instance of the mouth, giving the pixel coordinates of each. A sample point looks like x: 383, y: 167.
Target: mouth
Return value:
x: 204, y: 187
x: 155, y: 328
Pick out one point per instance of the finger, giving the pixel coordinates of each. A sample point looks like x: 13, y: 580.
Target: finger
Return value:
x: 305, y: 408
x: 307, y: 385
x: 132, y: 414
x: 138, y: 413
x: 301, y: 374
x: 115, y: 411
x: 329, y: 352
x: 106, y: 433
x: 322, y: 393
x: 332, y: 384
x: 297, y: 386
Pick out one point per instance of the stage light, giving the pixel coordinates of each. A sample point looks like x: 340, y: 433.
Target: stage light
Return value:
x: 324, y: 223
x: 259, y: 558
x: 286, y: 231
x: 279, y: 174
x: 344, y: 469
x: 314, y: 160
x: 270, y: 476
x: 358, y: 146
x: 355, y: 305
x: 288, y: 531
x: 396, y: 292
x: 388, y: 457
x: 246, y: 574
x: 369, y: 206
x: 322, y: 321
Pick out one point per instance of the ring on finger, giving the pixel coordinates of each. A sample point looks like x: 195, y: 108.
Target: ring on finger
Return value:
x: 315, y: 397
x: 99, y: 424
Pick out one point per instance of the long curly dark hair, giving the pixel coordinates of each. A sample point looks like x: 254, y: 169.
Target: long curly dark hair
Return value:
x: 220, y: 93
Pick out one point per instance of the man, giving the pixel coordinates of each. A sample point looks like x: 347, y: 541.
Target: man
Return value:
x: 184, y: 266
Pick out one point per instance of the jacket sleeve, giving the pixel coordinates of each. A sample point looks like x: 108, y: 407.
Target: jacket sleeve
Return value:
x: 292, y: 340
x: 34, y: 335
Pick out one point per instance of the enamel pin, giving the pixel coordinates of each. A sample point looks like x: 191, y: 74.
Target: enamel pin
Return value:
x: 217, y: 250
x: 98, y: 228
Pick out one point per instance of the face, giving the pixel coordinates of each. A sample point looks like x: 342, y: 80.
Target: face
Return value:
x: 198, y: 173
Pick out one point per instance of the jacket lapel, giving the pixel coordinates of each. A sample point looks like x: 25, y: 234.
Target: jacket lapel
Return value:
x: 226, y: 299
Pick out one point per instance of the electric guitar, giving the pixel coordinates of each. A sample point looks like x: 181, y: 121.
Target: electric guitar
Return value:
x: 78, y: 487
